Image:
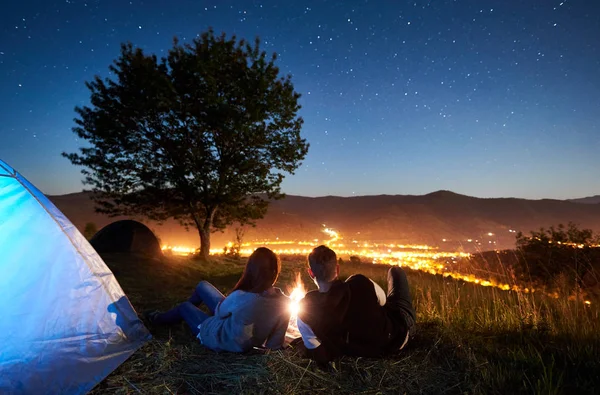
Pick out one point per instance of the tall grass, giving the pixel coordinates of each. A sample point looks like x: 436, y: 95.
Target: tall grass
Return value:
x: 469, y: 339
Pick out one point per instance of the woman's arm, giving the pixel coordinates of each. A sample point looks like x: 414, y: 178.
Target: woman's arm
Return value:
x: 230, y: 304
x: 277, y: 337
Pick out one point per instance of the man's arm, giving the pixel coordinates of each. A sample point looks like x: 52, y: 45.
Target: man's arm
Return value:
x: 308, y: 336
x: 315, y: 349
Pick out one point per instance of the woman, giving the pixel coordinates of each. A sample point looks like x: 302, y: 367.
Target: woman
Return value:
x: 255, y: 314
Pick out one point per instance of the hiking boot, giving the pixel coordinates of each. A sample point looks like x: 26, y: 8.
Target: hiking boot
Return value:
x: 150, y: 316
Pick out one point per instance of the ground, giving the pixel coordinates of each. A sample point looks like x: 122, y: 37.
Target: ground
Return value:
x: 470, y: 339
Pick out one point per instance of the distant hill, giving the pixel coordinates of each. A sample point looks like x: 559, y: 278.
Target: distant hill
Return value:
x: 426, y: 219
x: 587, y: 200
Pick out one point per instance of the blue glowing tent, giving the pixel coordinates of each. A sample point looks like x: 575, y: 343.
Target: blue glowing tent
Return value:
x: 65, y: 322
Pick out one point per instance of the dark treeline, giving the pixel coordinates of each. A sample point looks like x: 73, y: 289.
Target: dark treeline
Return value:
x: 564, y: 259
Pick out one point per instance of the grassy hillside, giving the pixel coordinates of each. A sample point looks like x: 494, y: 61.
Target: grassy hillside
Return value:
x: 470, y: 339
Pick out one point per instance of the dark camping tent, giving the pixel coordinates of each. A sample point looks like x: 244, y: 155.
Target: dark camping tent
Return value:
x: 126, y: 236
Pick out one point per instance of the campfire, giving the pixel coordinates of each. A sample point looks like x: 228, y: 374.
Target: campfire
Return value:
x: 296, y: 295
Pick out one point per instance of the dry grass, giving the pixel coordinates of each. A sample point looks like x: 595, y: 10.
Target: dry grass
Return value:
x: 470, y: 339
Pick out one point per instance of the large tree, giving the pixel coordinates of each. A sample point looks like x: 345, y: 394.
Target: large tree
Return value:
x: 204, y: 135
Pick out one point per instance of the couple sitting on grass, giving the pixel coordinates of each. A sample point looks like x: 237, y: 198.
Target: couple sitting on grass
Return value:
x: 354, y: 317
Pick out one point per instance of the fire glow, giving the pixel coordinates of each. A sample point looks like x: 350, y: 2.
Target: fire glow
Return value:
x: 296, y: 296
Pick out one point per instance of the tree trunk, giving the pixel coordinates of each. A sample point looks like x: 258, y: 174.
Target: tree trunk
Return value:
x: 204, y: 232
x: 204, y: 242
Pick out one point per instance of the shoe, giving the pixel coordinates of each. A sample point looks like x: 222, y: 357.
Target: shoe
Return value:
x: 150, y: 316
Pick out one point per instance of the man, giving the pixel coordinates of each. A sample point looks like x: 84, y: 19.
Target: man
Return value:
x: 354, y: 317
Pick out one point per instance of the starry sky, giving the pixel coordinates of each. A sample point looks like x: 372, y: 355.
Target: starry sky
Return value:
x: 491, y: 98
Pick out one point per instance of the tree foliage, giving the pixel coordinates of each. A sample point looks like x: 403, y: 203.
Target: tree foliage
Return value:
x: 563, y: 251
x: 203, y: 135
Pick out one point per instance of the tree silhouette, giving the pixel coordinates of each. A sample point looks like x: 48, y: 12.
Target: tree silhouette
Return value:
x: 203, y: 135
x: 546, y: 254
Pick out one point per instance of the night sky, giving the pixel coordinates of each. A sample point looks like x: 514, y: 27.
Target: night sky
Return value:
x: 485, y: 98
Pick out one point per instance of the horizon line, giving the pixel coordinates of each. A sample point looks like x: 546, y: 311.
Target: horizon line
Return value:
x: 397, y: 194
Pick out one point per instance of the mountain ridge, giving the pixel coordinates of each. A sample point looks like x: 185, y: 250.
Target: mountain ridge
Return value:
x: 587, y: 200
x: 408, y: 219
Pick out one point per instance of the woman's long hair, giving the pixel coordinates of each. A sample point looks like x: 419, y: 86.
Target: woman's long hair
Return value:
x: 261, y: 271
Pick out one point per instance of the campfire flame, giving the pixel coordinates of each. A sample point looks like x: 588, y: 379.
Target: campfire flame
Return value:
x: 296, y: 295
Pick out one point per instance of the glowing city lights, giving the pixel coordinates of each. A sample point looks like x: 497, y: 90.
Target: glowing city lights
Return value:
x: 178, y: 250
x: 416, y: 257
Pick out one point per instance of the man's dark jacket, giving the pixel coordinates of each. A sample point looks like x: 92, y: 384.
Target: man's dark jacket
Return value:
x: 348, y: 320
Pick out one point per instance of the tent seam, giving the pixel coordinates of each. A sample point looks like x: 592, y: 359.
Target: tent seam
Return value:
x: 8, y: 170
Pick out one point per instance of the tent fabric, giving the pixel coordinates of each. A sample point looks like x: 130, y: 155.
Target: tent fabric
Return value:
x: 6, y: 170
x: 66, y: 323
x: 126, y: 236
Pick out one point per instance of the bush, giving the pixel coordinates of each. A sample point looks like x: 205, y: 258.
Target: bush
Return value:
x: 90, y: 230
x: 563, y: 252
x: 233, y: 249
x: 354, y: 259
